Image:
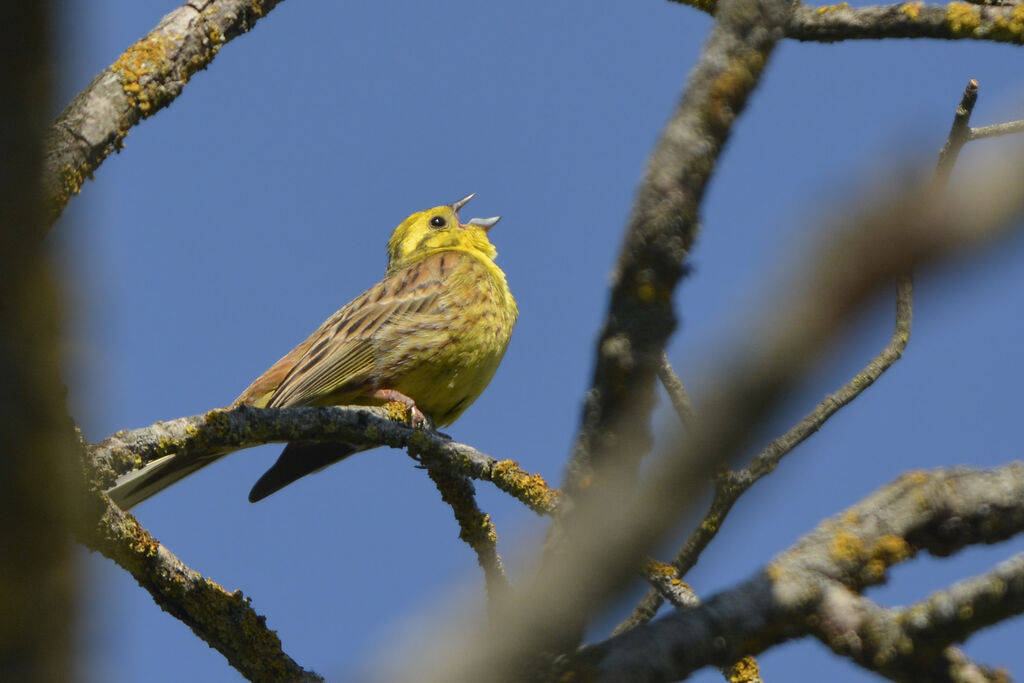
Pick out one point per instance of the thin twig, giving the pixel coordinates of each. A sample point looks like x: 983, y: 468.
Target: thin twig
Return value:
x: 959, y: 133
x: 996, y: 130
x: 476, y: 529
x: 676, y: 392
x: 730, y: 485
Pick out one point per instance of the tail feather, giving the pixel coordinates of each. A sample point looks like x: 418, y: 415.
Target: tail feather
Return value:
x: 135, y: 487
x: 296, y: 461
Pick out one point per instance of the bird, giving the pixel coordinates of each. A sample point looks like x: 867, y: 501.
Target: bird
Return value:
x: 430, y: 335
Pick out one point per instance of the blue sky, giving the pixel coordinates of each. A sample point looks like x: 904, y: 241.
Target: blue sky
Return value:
x: 261, y: 200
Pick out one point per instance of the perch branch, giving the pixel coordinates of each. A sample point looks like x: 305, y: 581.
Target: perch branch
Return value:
x: 230, y: 429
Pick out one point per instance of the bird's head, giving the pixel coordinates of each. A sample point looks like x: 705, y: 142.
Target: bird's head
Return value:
x: 439, y: 229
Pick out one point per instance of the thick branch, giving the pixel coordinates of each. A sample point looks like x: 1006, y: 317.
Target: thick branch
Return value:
x: 991, y: 21
x: 223, y: 620
x: 614, y: 434
x: 955, y: 21
x: 812, y: 588
x: 145, y: 79
x: 226, y: 430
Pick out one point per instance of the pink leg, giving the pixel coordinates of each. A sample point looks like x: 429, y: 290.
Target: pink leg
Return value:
x: 417, y: 418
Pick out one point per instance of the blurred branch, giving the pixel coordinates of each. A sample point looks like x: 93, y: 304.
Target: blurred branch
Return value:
x: 992, y: 21
x: 226, y: 430
x: 676, y: 393
x: 145, y: 79
x: 996, y: 130
x: 813, y: 588
x: 38, y: 483
x: 661, y: 230
x: 731, y: 484
x: 225, y: 621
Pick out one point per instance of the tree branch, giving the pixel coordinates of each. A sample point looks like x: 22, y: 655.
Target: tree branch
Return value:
x: 145, y: 79
x: 676, y: 393
x: 230, y: 429
x: 614, y: 433
x: 730, y: 485
x: 476, y: 530
x: 668, y: 582
x: 225, y: 621
x: 812, y: 589
x: 955, y: 21
x: 982, y: 20
x: 996, y: 130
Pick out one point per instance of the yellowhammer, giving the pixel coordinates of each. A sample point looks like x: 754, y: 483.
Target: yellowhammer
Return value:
x: 430, y: 335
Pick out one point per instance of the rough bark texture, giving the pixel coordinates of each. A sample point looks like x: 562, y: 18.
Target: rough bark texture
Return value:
x: 813, y: 588
x: 145, y: 79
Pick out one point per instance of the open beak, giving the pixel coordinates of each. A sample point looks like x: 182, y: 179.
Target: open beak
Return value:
x: 462, y: 202
x: 485, y: 223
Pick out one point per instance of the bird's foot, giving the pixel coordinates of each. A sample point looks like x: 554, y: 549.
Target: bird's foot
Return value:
x: 415, y: 417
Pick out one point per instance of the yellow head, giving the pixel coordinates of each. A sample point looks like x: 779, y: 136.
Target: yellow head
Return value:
x: 439, y: 229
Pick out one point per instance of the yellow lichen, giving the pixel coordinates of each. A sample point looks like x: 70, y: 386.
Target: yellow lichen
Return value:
x: 891, y: 549
x: 833, y: 8
x: 914, y: 478
x: 1010, y: 29
x: 963, y: 18
x: 397, y: 411
x: 529, y: 488
x: 911, y: 9
x: 659, y: 570
x: 743, y: 671
x: 646, y: 292
x: 847, y: 547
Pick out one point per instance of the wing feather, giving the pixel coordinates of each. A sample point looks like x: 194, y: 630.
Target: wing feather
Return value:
x: 344, y: 357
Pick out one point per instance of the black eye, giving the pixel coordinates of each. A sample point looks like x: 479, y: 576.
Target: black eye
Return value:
x: 438, y: 221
